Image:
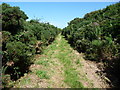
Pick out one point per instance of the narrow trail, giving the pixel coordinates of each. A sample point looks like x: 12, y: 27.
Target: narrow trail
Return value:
x: 61, y: 67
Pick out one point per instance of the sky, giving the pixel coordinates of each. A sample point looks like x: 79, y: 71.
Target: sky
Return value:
x: 58, y: 13
x: 59, y: 0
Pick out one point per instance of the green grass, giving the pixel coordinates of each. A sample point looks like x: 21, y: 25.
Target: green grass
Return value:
x: 59, y: 50
x: 22, y: 82
x: 42, y: 74
x: 42, y: 62
x: 65, y: 56
x: 72, y: 78
x: 25, y: 81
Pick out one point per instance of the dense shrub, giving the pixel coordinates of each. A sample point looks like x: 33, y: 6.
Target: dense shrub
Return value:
x: 98, y: 36
x: 21, y: 40
x: 12, y: 18
x: 43, y: 31
x: 6, y: 37
x: 17, y: 51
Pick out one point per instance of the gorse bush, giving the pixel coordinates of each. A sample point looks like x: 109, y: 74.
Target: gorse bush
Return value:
x: 21, y: 40
x: 43, y: 31
x: 27, y: 37
x: 98, y: 36
x: 6, y: 37
x: 19, y: 57
x: 17, y: 51
x: 12, y: 18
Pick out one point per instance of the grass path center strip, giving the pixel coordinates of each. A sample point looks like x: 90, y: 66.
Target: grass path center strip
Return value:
x: 71, y: 76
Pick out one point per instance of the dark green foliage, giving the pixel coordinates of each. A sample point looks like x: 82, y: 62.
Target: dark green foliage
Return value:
x: 43, y: 31
x: 27, y: 37
x: 21, y: 40
x: 6, y: 36
x: 12, y: 18
x: 98, y: 36
x: 17, y: 51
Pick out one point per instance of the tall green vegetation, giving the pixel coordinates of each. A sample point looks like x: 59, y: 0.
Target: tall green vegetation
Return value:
x: 98, y: 36
x: 21, y: 40
x: 14, y: 17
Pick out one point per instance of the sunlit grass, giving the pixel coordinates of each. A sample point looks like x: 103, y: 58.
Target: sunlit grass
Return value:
x: 71, y: 76
x: 42, y: 62
x: 42, y: 74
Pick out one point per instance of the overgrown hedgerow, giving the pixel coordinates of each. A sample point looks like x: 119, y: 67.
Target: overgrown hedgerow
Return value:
x: 98, y: 36
x: 21, y: 40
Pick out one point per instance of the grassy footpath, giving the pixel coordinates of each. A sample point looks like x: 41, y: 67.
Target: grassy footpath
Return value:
x: 55, y: 68
x: 65, y: 55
